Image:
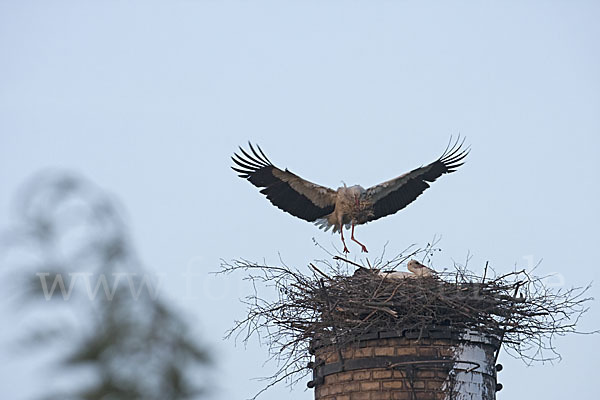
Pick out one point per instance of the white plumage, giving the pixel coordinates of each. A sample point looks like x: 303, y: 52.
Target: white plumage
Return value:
x: 416, y: 270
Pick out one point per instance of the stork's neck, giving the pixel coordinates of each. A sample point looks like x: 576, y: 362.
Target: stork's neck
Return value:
x: 351, y: 190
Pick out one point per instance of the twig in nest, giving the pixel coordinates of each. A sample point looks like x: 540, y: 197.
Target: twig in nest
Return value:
x: 332, y: 305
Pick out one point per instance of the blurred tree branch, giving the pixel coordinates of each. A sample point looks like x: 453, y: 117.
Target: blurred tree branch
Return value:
x: 135, y: 344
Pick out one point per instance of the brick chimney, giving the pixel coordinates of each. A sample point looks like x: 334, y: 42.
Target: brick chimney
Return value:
x: 434, y: 364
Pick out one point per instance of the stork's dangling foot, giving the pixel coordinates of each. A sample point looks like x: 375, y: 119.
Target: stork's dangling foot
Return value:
x: 364, y: 248
x: 346, y: 251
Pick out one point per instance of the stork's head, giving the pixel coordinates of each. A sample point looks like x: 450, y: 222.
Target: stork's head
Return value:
x: 351, y: 192
x: 417, y: 268
x: 356, y: 190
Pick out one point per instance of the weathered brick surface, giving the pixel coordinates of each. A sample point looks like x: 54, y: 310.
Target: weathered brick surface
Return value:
x: 424, y: 381
x: 382, y: 374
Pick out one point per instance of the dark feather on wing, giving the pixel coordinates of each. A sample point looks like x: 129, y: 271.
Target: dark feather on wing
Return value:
x: 412, y: 184
x: 257, y: 169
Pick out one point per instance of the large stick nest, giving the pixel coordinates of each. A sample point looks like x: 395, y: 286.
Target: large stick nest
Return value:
x: 341, y: 301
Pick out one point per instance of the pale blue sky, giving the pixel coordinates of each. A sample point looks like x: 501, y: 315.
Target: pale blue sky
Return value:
x: 150, y: 98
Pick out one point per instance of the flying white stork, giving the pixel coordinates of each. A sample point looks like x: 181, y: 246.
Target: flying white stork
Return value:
x: 346, y: 206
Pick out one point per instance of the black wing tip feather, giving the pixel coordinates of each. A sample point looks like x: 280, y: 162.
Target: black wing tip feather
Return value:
x: 247, y: 164
x: 454, y: 155
x: 252, y: 164
x: 418, y: 182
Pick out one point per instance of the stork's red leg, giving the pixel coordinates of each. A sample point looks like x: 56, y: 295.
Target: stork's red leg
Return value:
x: 364, y: 249
x: 343, y: 241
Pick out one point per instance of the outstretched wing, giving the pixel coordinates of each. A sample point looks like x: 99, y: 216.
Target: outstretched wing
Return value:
x: 393, y: 195
x: 284, y: 189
